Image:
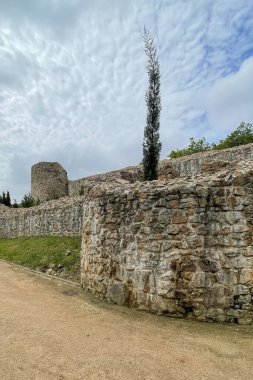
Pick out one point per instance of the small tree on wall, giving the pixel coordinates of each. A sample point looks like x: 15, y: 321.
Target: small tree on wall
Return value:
x: 151, y: 144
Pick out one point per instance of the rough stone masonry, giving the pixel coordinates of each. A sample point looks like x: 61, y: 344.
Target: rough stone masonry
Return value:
x: 180, y: 246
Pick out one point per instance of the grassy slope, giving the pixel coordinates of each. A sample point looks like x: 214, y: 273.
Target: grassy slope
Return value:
x: 42, y: 253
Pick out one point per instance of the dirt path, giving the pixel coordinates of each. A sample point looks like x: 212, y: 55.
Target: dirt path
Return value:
x: 51, y: 330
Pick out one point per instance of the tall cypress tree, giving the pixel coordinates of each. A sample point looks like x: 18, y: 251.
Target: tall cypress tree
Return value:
x: 8, y: 199
x: 151, y: 143
x: 4, y: 198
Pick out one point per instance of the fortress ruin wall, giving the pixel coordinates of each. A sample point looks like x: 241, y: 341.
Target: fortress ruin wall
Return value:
x: 182, y: 249
x: 184, y: 167
x: 48, y: 181
x: 181, y: 246
x: 62, y: 217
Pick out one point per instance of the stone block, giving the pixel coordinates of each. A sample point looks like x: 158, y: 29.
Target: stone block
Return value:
x: 239, y: 191
x: 241, y: 290
x: 246, y: 276
x: 173, y: 229
x: 209, y: 265
x: 248, y: 251
x: 178, y: 217
x: 194, y: 241
x: 117, y: 294
x: 217, y: 297
x: 148, y: 282
x: 202, y: 280
x: 226, y: 277
x: 216, y: 314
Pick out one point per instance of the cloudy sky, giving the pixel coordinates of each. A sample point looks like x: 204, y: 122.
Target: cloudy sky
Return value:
x: 73, y: 80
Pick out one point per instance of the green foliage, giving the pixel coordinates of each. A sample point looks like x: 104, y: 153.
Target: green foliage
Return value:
x: 8, y: 199
x: 55, y: 195
x: 151, y: 143
x: 5, y: 199
x: 240, y: 136
x: 195, y: 146
x: 15, y: 205
x: 81, y: 191
x: 27, y: 201
x: 44, y: 252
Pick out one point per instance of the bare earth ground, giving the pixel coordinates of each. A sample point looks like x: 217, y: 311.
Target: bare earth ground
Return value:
x: 52, y: 330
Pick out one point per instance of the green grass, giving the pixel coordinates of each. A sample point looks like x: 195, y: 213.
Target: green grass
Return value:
x: 42, y: 253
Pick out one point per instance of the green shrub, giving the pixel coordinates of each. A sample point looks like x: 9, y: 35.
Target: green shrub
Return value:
x: 27, y: 201
x: 195, y: 146
x: 240, y: 136
x: 81, y: 191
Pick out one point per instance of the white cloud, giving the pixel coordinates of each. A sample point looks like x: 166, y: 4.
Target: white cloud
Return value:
x: 229, y: 101
x: 73, y: 79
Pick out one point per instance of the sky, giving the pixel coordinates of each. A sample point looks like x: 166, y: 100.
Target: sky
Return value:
x: 73, y: 80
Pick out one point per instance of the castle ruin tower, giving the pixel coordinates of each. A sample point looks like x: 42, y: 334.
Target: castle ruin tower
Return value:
x: 48, y: 181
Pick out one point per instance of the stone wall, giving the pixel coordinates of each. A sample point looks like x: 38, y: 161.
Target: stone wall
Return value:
x: 204, y: 163
x: 178, y: 248
x: 184, y: 167
x: 48, y: 181
x: 130, y: 174
x: 181, y: 246
x: 55, y: 218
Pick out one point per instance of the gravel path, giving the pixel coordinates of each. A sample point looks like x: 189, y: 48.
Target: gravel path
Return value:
x: 52, y: 330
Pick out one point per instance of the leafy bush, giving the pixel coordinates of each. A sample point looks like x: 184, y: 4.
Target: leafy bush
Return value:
x: 195, y: 146
x: 15, y: 205
x: 240, y: 136
x: 81, y: 191
x: 55, y: 195
x: 27, y: 201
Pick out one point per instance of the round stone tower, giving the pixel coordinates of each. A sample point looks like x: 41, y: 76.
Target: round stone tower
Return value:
x: 49, y: 181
